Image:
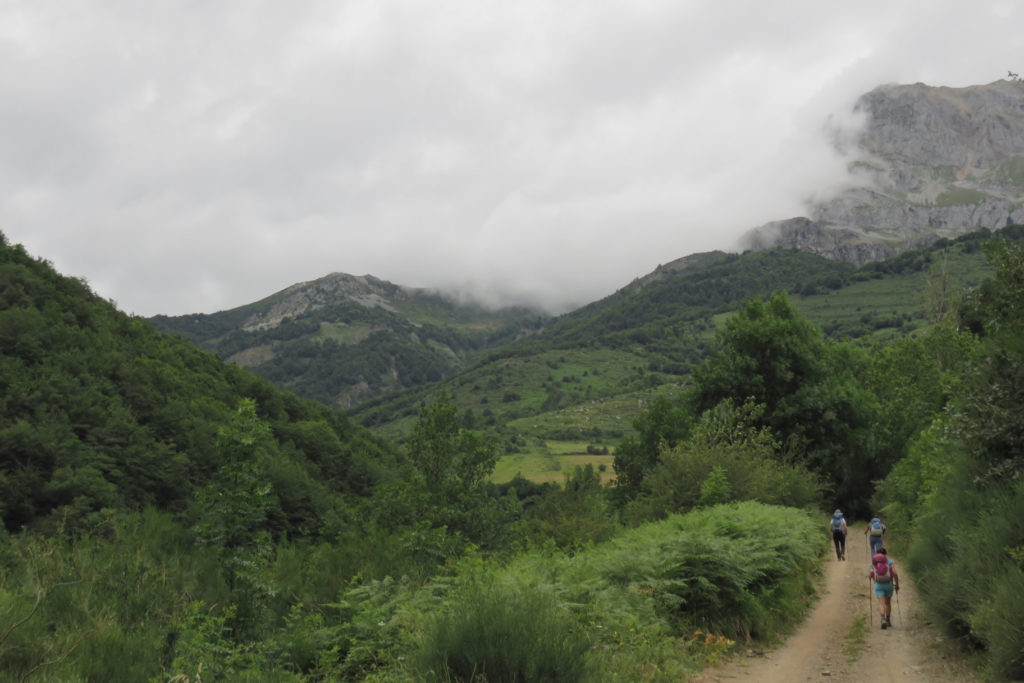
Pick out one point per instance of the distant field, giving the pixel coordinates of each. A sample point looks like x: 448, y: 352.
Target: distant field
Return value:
x: 883, y: 306
x: 551, y: 461
x: 611, y: 416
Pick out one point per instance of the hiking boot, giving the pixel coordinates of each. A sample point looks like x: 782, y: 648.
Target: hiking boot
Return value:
x: 884, y: 624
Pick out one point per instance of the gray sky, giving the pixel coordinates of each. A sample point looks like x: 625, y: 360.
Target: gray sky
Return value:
x: 196, y: 156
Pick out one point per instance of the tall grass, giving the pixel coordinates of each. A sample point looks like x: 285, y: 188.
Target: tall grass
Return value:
x: 501, y: 633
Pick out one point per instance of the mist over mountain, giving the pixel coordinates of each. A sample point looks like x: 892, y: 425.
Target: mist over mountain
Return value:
x: 219, y: 463
x: 923, y: 162
x: 926, y: 163
x: 929, y: 162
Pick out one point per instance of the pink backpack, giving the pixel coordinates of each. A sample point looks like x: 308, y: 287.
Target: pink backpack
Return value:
x: 881, y: 565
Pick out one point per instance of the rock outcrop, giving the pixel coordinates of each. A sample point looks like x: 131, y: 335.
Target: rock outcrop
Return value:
x: 304, y: 297
x: 929, y: 163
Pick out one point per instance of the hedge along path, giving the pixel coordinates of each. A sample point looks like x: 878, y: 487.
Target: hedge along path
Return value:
x: 827, y: 647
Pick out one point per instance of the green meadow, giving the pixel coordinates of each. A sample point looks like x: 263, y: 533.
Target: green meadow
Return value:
x: 551, y: 461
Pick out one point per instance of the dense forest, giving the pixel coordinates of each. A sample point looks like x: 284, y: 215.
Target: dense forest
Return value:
x: 169, y: 516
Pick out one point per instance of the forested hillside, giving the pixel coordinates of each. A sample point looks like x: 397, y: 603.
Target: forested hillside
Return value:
x: 343, y: 340
x: 587, y: 373
x: 380, y: 350
x: 169, y: 516
x: 102, y: 411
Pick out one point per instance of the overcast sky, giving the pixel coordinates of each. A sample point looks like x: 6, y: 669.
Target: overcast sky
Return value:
x: 196, y: 156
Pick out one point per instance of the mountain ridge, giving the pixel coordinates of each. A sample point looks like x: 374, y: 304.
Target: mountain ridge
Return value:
x: 352, y: 337
x: 931, y: 163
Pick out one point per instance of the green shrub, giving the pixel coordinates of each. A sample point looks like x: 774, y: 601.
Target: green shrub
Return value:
x: 997, y: 621
x: 743, y: 570
x: 715, y: 488
x: 502, y: 633
x: 969, y: 572
x: 739, y: 462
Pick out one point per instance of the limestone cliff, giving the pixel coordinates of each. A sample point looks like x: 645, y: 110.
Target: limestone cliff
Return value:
x: 930, y: 162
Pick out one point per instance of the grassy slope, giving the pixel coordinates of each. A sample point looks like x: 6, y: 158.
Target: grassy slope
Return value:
x: 877, y: 301
x: 892, y: 302
x: 601, y: 389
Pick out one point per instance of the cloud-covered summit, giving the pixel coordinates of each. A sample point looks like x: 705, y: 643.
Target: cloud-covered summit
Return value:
x: 195, y: 157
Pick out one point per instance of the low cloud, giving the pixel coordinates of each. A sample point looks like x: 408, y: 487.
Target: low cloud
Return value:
x: 192, y: 158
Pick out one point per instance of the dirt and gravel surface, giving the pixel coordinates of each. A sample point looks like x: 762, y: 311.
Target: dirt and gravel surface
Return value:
x: 830, y: 645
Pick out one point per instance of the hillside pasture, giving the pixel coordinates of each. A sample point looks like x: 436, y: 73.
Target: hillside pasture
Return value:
x: 602, y: 420
x: 529, y: 384
x: 551, y: 461
x: 886, y: 305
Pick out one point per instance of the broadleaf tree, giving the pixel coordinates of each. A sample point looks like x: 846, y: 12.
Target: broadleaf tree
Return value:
x: 813, y: 399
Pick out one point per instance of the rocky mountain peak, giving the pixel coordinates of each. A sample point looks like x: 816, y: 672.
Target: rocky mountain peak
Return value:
x: 304, y: 297
x: 930, y: 162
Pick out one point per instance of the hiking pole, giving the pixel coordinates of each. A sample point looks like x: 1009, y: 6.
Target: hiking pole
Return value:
x: 871, y: 607
x: 898, y: 610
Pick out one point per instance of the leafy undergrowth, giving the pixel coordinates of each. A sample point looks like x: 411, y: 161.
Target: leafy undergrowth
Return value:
x: 655, y: 604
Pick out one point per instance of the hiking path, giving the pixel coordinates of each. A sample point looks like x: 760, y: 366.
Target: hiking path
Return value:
x: 842, y: 640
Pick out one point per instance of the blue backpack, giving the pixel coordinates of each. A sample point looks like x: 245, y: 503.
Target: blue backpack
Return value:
x: 876, y: 527
x: 837, y: 522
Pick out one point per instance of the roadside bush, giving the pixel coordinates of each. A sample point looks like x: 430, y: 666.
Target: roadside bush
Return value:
x: 743, y: 570
x: 677, y: 485
x: 656, y: 603
x: 500, y: 633
x: 971, y: 570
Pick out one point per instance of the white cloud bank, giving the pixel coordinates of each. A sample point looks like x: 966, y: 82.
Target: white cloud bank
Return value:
x: 192, y: 157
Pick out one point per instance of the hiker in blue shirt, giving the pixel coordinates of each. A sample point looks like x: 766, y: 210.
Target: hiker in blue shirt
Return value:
x: 837, y: 525
x: 875, y: 533
x: 887, y: 582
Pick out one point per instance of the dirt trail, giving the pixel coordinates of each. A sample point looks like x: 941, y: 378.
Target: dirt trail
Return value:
x: 820, y: 650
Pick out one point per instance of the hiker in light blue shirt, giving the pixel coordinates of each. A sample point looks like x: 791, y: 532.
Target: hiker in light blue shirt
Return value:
x: 875, y: 533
